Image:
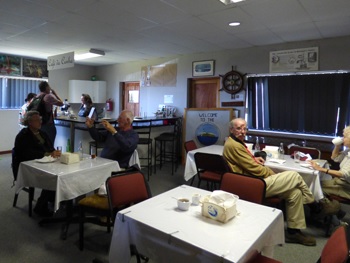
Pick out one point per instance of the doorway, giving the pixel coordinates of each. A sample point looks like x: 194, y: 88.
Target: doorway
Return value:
x: 204, y: 93
x: 131, y: 97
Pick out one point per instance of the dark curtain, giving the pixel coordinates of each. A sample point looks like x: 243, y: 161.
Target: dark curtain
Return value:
x: 299, y: 103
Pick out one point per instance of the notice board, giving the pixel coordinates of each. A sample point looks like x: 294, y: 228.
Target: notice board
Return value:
x: 207, y: 126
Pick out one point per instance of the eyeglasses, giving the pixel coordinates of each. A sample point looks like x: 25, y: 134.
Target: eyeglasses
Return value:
x: 245, y: 129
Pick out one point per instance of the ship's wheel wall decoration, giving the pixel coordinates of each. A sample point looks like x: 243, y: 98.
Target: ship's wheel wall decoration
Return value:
x: 232, y: 82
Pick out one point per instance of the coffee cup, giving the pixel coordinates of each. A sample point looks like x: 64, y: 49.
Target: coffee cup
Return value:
x: 196, y: 199
x: 337, y: 141
x: 183, y: 204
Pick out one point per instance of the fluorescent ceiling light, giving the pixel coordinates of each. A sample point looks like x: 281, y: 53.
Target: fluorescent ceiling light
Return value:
x: 234, y: 24
x: 92, y: 53
x: 227, y: 2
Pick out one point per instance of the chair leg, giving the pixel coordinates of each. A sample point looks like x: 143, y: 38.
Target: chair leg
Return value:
x: 30, y: 200
x: 192, y: 180
x: 81, y: 228
x: 15, y: 200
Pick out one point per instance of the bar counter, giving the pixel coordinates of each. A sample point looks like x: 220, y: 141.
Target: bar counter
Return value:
x: 138, y: 123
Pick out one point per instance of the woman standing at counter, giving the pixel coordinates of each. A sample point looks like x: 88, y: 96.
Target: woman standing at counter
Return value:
x: 86, y: 105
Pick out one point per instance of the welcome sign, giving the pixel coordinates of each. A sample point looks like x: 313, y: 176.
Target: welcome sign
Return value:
x: 207, y: 126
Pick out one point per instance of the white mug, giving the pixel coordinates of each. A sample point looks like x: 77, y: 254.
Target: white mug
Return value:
x: 196, y: 199
x: 337, y: 141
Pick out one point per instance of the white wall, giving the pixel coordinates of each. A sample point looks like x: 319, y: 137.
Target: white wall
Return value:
x: 333, y: 55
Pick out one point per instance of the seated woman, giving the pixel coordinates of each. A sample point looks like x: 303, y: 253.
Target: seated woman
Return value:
x: 340, y: 183
x: 86, y: 105
x: 32, y: 143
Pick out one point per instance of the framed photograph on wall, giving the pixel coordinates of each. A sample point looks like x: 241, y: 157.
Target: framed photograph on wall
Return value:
x: 203, y: 68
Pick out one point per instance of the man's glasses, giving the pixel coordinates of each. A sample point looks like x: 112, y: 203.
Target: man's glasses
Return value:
x: 245, y: 129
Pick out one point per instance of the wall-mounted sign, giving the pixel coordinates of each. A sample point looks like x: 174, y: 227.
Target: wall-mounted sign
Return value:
x: 207, y: 126
x: 293, y: 60
x: 60, y: 61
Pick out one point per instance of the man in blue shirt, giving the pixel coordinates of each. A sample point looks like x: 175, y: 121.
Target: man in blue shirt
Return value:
x: 119, y: 143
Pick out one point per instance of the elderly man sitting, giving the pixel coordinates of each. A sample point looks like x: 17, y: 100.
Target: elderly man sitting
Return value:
x: 119, y: 143
x: 287, y: 185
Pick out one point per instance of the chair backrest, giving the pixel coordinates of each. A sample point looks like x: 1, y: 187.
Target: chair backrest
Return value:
x: 336, y: 249
x: 248, y: 188
x: 125, y: 189
x: 210, y: 162
x: 190, y: 145
x: 314, y: 152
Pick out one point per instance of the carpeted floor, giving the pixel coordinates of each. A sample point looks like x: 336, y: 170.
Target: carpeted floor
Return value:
x: 23, y: 240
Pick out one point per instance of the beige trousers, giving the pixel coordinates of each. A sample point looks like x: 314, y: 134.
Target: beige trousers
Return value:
x: 291, y: 187
x: 336, y: 186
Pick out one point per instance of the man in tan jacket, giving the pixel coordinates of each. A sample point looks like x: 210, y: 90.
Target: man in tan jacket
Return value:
x: 287, y: 185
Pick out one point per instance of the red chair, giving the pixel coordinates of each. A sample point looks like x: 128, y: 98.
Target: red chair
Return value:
x: 249, y: 188
x: 314, y: 152
x: 123, y: 189
x: 210, y: 168
x: 258, y: 258
x: 336, y: 249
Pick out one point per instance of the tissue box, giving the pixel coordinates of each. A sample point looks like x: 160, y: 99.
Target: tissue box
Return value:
x: 221, y: 209
x: 69, y: 158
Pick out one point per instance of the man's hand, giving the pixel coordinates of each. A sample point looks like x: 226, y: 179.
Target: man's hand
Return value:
x: 109, y: 127
x: 260, y: 160
x: 56, y: 154
x: 89, y: 122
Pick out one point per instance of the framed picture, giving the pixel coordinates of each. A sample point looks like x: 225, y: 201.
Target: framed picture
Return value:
x: 203, y: 68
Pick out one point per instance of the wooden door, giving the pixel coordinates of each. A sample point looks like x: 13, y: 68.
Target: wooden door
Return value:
x: 204, y: 93
x: 131, y: 97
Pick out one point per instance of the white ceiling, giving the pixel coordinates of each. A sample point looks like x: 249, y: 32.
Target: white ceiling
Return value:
x: 129, y: 30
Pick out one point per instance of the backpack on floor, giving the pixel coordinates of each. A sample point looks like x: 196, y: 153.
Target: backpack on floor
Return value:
x: 38, y: 105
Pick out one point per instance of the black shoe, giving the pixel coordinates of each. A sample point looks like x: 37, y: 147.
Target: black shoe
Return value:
x: 300, y: 238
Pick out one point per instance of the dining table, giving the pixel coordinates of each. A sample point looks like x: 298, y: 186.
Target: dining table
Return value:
x: 162, y: 232
x: 311, y: 177
x: 68, y: 180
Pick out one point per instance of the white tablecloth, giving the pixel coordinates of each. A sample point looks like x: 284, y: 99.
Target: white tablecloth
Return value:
x: 310, y: 176
x: 69, y: 181
x: 165, y: 234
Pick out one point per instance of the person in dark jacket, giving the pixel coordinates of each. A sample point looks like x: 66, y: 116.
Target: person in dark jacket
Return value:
x: 32, y: 143
x: 119, y: 143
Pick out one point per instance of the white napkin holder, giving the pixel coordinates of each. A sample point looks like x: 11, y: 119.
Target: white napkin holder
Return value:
x: 271, y: 151
x: 69, y: 158
x: 220, y: 206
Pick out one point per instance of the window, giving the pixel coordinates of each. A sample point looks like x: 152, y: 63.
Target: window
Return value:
x: 317, y: 104
x: 13, y: 91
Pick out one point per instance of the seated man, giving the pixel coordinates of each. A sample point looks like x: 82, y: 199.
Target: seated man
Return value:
x: 32, y: 143
x: 287, y: 185
x: 120, y: 143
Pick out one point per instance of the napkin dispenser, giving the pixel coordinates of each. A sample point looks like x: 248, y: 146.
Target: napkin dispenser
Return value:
x: 271, y: 151
x: 220, y: 206
x: 69, y: 158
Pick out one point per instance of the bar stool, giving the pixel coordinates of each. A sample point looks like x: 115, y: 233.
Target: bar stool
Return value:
x: 169, y: 147
x: 145, y: 139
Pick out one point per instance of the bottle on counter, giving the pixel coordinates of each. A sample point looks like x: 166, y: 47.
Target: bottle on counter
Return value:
x: 68, y: 146
x: 281, y: 151
x: 257, y: 145
x: 80, y: 150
